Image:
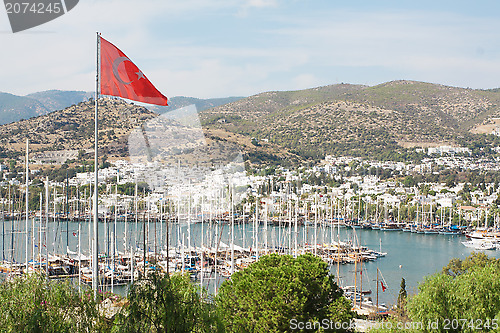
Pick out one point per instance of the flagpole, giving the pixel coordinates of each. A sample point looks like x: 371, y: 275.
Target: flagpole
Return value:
x: 95, y: 251
x: 27, y: 202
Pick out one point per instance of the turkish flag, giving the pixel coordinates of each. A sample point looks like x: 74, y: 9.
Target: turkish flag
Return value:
x: 383, y: 287
x: 121, y: 77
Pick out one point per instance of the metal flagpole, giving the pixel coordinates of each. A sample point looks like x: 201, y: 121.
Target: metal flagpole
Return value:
x: 95, y: 263
x: 27, y: 201
x: 47, y: 227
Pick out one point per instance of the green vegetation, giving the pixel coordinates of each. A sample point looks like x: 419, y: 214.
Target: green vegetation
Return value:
x: 277, y: 289
x: 158, y: 303
x: 464, y: 297
x: 31, y: 304
x: 265, y: 297
x: 473, y: 295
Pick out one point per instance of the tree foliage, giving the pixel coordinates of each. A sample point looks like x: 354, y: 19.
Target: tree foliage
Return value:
x: 466, y: 291
x: 267, y: 295
x: 477, y: 259
x: 402, y: 295
x: 162, y: 303
x: 31, y: 304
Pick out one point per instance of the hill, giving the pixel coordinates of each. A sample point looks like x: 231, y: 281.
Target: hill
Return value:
x: 14, y: 108
x: 379, y: 121
x: 73, y: 128
x: 69, y: 133
x: 289, y: 127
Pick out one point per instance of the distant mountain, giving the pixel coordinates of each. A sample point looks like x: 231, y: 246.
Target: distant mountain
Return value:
x: 58, y: 99
x: 14, y: 108
x: 177, y: 102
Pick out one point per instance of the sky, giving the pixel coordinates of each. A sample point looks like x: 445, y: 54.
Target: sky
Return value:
x: 221, y: 48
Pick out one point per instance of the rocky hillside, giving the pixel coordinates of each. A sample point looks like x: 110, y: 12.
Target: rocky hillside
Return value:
x: 177, y: 102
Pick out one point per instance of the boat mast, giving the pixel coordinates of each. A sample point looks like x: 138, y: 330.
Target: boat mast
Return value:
x: 162, y: 208
x: 355, y: 276
x: 167, y: 220
x: 296, y: 226
x: 289, y: 212
x: 3, y: 226
x: 257, y: 229
x: 134, y: 243
x: 231, y: 193
x: 315, y: 225
x: 280, y: 242
x: 79, y: 256
x: 377, y: 289
x: 67, y: 212
x: 47, y: 227
x: 40, y: 230
x: 202, y: 252
x: 338, y: 242
x: 113, y: 234
x: 359, y: 205
x: 266, y: 237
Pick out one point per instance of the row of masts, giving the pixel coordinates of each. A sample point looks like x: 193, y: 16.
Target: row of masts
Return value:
x: 168, y: 218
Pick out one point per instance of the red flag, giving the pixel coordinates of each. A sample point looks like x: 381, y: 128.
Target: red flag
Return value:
x: 383, y: 287
x: 121, y: 77
x: 74, y: 234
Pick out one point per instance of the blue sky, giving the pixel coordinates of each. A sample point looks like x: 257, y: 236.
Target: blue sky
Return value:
x: 222, y: 48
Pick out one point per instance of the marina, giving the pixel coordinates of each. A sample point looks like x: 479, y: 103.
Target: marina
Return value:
x: 209, y: 253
